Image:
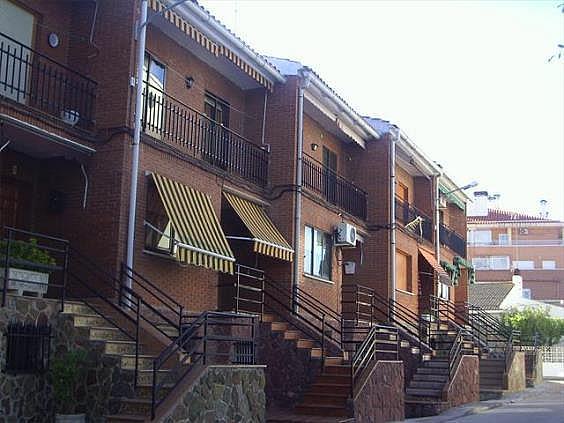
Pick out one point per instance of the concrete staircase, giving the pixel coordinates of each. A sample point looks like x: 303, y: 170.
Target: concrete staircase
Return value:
x: 492, y: 378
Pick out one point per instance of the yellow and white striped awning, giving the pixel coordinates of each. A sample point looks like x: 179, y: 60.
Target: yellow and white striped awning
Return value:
x: 196, y: 226
x: 266, y: 237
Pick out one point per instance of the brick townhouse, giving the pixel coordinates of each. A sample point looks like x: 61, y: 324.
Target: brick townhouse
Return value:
x: 260, y: 190
x: 500, y: 241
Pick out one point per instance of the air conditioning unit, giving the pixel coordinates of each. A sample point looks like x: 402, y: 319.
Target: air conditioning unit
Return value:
x: 523, y: 231
x: 345, y: 235
x: 443, y: 203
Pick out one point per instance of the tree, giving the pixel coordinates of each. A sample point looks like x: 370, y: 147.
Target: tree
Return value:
x: 536, y: 326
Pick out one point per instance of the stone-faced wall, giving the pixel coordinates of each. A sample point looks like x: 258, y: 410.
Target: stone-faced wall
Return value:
x: 533, y: 368
x: 516, y: 380
x: 223, y: 394
x: 289, y: 370
x: 465, y: 387
x: 380, y: 398
x: 27, y: 398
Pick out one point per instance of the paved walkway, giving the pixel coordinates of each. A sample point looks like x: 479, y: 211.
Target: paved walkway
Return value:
x: 542, y: 404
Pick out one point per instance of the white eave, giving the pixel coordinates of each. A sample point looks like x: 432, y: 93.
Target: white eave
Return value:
x: 218, y: 33
x: 450, y: 185
x: 422, y: 162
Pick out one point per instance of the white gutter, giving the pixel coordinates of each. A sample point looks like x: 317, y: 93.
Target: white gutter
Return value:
x: 328, y: 93
x: 219, y: 33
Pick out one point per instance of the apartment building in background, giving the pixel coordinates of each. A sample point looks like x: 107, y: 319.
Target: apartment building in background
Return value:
x: 501, y: 241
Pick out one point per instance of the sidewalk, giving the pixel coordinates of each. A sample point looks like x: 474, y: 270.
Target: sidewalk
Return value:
x: 549, y: 387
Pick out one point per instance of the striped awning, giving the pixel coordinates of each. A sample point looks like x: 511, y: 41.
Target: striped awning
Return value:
x: 266, y: 237
x: 443, y: 275
x: 196, y: 226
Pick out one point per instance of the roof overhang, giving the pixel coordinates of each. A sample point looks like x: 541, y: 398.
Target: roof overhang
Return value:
x: 413, y: 160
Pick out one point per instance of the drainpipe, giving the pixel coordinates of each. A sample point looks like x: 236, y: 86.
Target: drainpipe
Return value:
x: 392, y: 251
x: 302, y: 85
x: 437, y: 223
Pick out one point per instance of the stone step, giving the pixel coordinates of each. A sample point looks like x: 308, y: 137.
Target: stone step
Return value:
x: 337, y: 369
x: 278, y: 326
x: 325, y: 399
x: 145, y: 377
x: 292, y: 334
x: 321, y: 410
x: 135, y: 406
x: 145, y: 362
x: 119, y: 347
x: 436, y: 363
x: 430, y: 377
x: 124, y: 418
x: 144, y: 391
x: 404, y: 344
x: 88, y: 320
x: 78, y: 308
x: 432, y: 370
x: 426, y: 384
x: 335, y: 379
x: 107, y: 334
x: 428, y: 393
x: 333, y: 361
x: 315, y: 352
x: 268, y: 317
x: 305, y: 343
x: 330, y: 388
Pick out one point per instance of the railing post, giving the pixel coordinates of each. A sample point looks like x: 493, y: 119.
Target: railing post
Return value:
x: 262, y: 298
x: 65, y: 276
x: 323, y: 340
x: 253, y: 336
x: 205, y: 346
x: 237, y: 288
x: 153, y: 390
x: 137, y: 313
x: 180, y: 316
x: 6, y: 267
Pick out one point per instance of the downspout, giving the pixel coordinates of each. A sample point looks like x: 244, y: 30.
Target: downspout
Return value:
x: 302, y: 85
x: 436, y: 202
x: 392, y: 251
x: 263, y: 129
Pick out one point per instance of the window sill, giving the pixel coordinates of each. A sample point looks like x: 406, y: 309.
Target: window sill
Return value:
x: 160, y: 255
x: 405, y: 292
x: 318, y: 279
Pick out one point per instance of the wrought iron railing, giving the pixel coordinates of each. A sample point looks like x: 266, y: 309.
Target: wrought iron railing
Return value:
x: 452, y: 240
x: 28, y: 347
x: 31, y: 78
x: 407, y: 214
x: 334, y: 188
x: 170, y: 120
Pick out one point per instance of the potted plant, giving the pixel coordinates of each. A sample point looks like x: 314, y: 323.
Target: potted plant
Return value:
x: 29, y: 266
x: 66, y: 373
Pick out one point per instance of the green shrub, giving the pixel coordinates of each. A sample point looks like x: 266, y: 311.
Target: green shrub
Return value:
x: 22, y: 253
x: 536, y: 326
x: 66, y: 372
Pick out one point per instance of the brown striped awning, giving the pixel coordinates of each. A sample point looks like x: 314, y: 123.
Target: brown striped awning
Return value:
x: 201, y: 240
x: 441, y: 273
x: 266, y: 237
x: 213, y: 47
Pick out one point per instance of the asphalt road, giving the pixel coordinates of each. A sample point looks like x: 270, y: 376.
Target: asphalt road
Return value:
x: 542, y: 404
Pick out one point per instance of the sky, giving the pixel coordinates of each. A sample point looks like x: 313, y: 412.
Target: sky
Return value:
x: 468, y: 81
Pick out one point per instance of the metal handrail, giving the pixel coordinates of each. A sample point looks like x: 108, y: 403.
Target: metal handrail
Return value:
x: 408, y: 212
x: 191, y: 348
x: 455, y: 353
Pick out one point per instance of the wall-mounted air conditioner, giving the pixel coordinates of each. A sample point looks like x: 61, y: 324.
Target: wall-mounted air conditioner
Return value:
x: 523, y: 231
x: 345, y: 235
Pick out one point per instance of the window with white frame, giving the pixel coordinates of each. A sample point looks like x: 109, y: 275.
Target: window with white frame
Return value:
x: 491, y: 263
x: 480, y: 237
x: 526, y: 293
x: 503, y: 239
x: 524, y: 264
x: 549, y: 264
x: 318, y: 248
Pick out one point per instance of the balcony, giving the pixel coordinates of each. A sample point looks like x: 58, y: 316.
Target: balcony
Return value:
x: 518, y: 243
x: 333, y: 187
x: 169, y: 120
x: 40, y: 83
x: 452, y: 240
x: 406, y: 213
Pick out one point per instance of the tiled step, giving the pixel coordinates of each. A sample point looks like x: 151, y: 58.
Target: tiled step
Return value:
x: 321, y: 410
x: 404, y: 344
x: 315, y: 353
x: 292, y: 334
x: 144, y: 391
x: 428, y: 393
x: 430, y: 377
x: 425, y: 384
x: 337, y: 369
x: 120, y: 347
x: 107, y: 334
x: 145, y: 377
x: 325, y: 399
x: 124, y: 418
x: 305, y: 343
x: 338, y: 379
x: 77, y: 308
x: 433, y: 371
x: 145, y: 362
x: 278, y: 326
x: 89, y: 320
x: 268, y: 317
x: 434, y: 363
x: 135, y: 406
x: 330, y: 388
x: 333, y: 361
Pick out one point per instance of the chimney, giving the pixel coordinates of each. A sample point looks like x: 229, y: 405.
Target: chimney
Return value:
x: 493, y: 201
x: 480, y: 205
x: 517, y: 280
x: 543, y: 209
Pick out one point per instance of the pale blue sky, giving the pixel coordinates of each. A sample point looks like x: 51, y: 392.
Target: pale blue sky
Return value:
x: 468, y: 81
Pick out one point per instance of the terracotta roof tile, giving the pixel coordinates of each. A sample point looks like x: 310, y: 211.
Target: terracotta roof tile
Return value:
x: 496, y: 215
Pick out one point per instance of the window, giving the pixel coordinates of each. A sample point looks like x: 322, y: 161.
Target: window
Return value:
x: 159, y: 234
x: 549, y: 264
x: 153, y: 99
x: 444, y: 291
x: 524, y: 264
x: 403, y: 272
x: 480, y: 237
x: 526, y: 293
x: 491, y: 263
x: 217, y: 136
x: 318, y: 248
x: 402, y: 193
x: 503, y: 239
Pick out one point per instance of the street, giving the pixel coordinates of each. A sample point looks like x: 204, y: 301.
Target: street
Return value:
x: 542, y: 404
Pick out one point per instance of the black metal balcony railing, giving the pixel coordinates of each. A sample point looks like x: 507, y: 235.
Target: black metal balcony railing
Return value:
x: 172, y: 121
x: 334, y: 188
x: 406, y: 213
x: 33, y: 79
x: 452, y: 240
